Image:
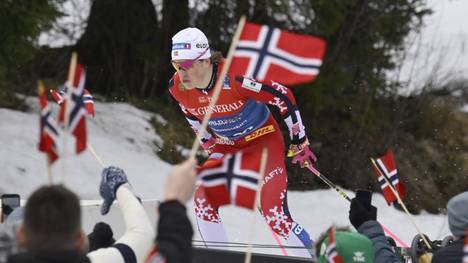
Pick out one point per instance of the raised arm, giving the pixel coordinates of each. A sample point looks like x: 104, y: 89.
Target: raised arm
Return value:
x: 136, y: 242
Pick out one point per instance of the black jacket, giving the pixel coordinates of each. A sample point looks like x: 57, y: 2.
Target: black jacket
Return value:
x: 49, y: 257
x: 174, y: 233
x: 452, y: 253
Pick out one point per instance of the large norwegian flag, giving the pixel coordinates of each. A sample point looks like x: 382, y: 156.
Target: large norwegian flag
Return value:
x: 386, y: 168
x: 48, y: 133
x: 76, y: 110
x: 233, y: 179
x: 331, y: 252
x: 266, y: 53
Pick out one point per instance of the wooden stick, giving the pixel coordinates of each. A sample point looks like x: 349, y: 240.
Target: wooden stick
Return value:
x: 95, y: 155
x: 217, y: 88
x: 263, y: 160
x: 49, y: 170
x: 395, y: 192
x: 66, y: 117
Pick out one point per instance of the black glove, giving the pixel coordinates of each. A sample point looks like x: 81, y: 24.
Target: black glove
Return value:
x: 101, y: 237
x: 358, y: 213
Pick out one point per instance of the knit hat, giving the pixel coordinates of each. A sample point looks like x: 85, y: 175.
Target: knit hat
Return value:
x: 351, y: 247
x: 190, y: 43
x: 457, y: 210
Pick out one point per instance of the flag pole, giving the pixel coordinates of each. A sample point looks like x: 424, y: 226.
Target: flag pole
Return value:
x: 49, y: 170
x: 263, y: 160
x: 345, y: 196
x: 66, y: 117
x: 217, y: 88
x: 397, y: 195
x: 95, y: 155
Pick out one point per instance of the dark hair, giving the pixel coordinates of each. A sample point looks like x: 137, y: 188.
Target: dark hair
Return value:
x: 52, y: 219
x: 216, y: 57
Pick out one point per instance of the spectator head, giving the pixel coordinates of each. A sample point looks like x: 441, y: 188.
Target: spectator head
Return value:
x: 52, y: 221
x: 350, y: 246
x: 457, y: 209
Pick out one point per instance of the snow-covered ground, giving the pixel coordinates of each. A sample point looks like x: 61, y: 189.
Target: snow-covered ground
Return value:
x: 121, y: 135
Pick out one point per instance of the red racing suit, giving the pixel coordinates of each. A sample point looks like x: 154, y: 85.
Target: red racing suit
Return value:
x: 241, y: 120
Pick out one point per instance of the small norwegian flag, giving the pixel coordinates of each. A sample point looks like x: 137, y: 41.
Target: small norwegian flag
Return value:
x: 233, y: 179
x: 76, y: 110
x: 80, y: 78
x: 385, y: 168
x: 266, y: 53
x: 331, y: 252
x: 48, y: 134
x: 87, y: 99
x: 465, y: 248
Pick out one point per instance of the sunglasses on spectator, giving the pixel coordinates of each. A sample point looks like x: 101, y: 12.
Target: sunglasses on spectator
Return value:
x: 187, y: 64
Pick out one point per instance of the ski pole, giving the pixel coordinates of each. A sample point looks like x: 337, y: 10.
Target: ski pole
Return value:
x: 345, y: 196
x: 328, y: 182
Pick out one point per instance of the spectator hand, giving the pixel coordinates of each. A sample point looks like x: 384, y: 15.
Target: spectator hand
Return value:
x: 358, y: 213
x: 302, y: 154
x: 111, y: 178
x: 180, y: 183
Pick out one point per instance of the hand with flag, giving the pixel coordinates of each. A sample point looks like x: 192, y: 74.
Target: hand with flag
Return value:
x: 359, y: 213
x: 180, y: 184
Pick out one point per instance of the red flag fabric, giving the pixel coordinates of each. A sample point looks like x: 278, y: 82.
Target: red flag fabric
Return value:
x: 331, y: 252
x: 76, y: 110
x: 266, y: 53
x: 80, y: 77
x: 48, y: 133
x: 386, y: 168
x: 232, y: 179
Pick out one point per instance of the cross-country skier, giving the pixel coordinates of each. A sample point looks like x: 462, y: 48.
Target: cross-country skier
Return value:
x: 240, y: 120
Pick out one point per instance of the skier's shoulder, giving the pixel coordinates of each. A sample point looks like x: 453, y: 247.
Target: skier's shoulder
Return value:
x: 173, y: 85
x: 243, y: 82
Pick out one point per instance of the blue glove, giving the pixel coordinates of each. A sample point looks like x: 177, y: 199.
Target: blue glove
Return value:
x: 111, y: 178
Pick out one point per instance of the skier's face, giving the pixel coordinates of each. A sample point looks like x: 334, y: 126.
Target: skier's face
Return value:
x: 194, y: 75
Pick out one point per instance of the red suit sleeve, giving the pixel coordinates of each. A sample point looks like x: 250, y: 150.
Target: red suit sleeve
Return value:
x: 279, y: 96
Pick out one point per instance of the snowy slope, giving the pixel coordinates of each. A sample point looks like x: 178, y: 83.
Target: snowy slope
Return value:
x: 121, y: 135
